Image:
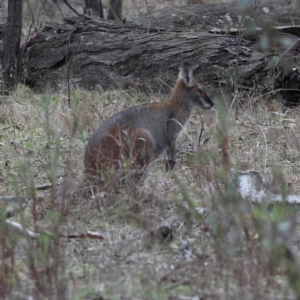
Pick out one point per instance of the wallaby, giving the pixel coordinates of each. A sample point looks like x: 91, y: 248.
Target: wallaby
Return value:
x: 140, y: 134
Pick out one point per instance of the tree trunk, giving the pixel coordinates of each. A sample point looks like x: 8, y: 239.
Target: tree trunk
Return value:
x: 11, y: 44
x: 115, y: 10
x: 93, y: 8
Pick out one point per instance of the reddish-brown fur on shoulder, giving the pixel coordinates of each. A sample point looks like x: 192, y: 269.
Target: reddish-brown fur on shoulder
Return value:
x: 124, y: 148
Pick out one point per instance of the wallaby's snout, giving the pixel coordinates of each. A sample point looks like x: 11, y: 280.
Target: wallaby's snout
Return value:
x: 197, y: 93
x: 202, y: 99
x: 140, y: 134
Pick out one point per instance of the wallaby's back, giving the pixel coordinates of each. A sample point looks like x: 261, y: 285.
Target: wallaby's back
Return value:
x: 136, y: 136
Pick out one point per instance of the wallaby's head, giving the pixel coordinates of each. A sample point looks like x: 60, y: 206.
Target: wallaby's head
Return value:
x: 196, y: 93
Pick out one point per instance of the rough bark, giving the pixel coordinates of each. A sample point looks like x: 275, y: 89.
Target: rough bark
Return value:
x: 223, y: 15
x: 11, y: 44
x: 91, y: 52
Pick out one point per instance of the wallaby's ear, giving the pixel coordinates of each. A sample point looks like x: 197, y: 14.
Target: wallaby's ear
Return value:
x: 186, y: 74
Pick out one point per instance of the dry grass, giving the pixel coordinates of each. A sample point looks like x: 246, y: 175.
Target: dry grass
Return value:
x: 234, y: 251
x: 230, y: 250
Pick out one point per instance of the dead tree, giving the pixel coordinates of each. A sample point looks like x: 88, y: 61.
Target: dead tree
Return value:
x: 115, y: 10
x: 11, y: 44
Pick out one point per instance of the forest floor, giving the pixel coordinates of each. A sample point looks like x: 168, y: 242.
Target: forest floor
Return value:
x: 110, y: 245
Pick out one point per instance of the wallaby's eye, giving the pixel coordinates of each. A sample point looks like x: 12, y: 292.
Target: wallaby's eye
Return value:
x: 200, y: 91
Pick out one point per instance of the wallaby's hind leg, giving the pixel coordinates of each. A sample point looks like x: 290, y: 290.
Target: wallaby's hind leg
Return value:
x: 138, y: 148
x: 103, y: 160
x: 124, y: 151
x: 143, y: 148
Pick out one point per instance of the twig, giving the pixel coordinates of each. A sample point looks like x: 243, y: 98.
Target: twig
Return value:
x: 69, y: 68
x: 236, y: 79
x: 59, y: 8
x: 10, y: 199
x: 90, y: 234
x: 32, y: 29
x: 200, y: 135
x: 43, y: 187
x: 33, y: 235
x: 154, y: 22
x: 165, y: 83
x: 275, y: 91
x: 47, y: 10
x: 265, y: 166
x: 287, y: 50
x: 206, y: 140
x: 72, y: 8
x: 233, y: 100
x: 22, y: 229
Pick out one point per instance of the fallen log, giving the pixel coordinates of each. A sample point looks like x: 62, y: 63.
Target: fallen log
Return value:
x: 88, y: 52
